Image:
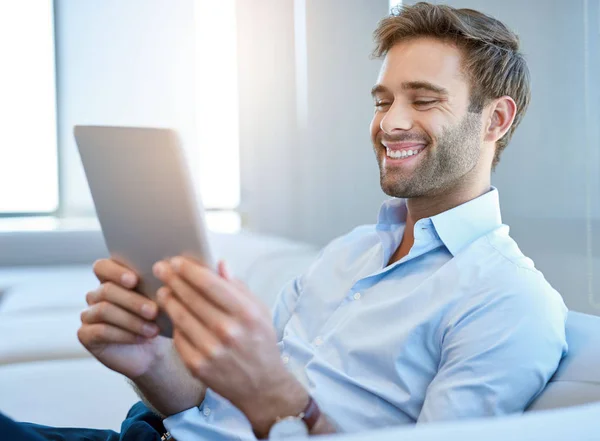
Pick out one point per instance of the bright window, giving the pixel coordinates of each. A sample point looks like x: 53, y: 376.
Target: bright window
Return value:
x: 28, y: 149
x: 217, y: 119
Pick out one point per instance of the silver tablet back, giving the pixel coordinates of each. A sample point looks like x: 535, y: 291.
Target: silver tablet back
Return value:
x: 144, y: 198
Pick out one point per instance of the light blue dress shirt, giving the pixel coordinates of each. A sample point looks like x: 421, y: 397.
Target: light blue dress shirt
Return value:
x: 464, y: 326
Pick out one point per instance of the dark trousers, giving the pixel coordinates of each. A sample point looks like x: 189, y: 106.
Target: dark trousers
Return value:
x: 140, y: 425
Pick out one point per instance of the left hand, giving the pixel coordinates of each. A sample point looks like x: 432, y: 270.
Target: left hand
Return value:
x: 225, y: 337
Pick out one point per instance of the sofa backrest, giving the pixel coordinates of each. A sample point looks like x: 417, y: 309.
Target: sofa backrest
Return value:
x: 577, y: 380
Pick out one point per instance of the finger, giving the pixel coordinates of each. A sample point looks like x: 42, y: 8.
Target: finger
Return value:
x: 96, y: 334
x: 110, y: 314
x: 223, y: 270
x: 223, y: 326
x: 193, y: 329
x: 109, y: 270
x: 193, y: 359
x: 126, y: 299
x: 213, y: 287
x: 216, y: 320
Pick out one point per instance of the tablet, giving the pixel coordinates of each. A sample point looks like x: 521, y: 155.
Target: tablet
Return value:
x: 144, y: 199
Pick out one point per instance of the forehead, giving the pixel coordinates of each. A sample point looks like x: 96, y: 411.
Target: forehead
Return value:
x: 423, y: 59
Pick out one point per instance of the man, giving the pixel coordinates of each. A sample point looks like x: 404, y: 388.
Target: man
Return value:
x: 432, y: 314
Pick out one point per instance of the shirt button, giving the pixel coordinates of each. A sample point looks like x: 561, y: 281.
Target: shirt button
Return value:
x: 318, y: 341
x: 285, y: 359
x: 356, y: 296
x: 206, y: 411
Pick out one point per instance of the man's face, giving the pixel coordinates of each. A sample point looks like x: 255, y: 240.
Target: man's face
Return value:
x: 424, y: 138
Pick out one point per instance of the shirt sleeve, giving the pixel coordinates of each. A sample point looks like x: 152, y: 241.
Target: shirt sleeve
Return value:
x: 498, y: 353
x: 285, y: 306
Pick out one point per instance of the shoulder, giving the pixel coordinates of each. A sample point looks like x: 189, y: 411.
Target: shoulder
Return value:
x: 506, y: 284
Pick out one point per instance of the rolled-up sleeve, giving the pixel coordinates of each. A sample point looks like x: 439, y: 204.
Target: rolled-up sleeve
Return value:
x: 497, y: 354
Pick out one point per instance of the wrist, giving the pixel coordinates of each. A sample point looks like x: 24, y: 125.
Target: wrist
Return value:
x: 167, y: 384
x: 162, y: 354
x: 288, y: 400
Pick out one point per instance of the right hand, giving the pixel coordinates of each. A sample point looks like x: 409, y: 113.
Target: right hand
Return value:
x: 118, y: 326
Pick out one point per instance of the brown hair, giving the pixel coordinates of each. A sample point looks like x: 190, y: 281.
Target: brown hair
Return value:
x: 492, y: 61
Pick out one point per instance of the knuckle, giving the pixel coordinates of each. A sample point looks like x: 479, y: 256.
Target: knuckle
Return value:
x: 81, y: 335
x: 198, y: 366
x: 214, y: 352
x: 229, y: 333
x: 98, y: 332
x: 101, y: 291
x: 251, y: 316
x: 103, y: 309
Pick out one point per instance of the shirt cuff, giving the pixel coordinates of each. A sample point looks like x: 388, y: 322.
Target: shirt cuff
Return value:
x: 177, y: 424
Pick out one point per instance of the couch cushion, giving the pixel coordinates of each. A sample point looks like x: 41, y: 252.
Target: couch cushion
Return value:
x: 28, y: 337
x: 264, y: 262
x: 69, y: 393
x: 577, y: 380
x: 45, y: 289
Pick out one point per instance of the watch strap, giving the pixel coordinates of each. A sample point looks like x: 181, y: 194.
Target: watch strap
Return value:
x: 311, y: 413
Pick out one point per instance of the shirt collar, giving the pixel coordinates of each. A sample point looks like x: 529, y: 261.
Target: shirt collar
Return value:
x: 457, y: 227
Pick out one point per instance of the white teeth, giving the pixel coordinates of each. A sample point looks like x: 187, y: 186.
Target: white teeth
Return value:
x: 401, y: 154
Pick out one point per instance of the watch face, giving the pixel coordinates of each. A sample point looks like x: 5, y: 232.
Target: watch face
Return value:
x: 287, y: 428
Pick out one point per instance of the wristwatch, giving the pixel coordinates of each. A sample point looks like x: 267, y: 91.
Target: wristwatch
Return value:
x: 300, y: 425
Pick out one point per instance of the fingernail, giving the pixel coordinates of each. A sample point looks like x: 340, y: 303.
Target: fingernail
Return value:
x: 149, y: 330
x: 176, y: 263
x: 159, y: 269
x: 226, y: 271
x: 147, y: 311
x: 161, y: 294
x: 128, y: 280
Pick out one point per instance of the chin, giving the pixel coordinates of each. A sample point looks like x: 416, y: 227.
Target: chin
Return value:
x: 404, y: 189
x: 396, y: 189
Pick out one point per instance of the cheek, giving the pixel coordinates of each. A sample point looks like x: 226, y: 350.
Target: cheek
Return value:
x: 433, y: 125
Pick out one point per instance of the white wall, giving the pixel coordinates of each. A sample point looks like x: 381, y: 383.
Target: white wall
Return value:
x: 121, y: 63
x: 308, y: 176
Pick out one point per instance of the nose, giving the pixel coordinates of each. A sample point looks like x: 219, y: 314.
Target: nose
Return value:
x: 397, y: 118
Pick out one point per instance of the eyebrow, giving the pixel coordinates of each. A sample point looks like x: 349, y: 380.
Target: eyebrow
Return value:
x: 412, y: 85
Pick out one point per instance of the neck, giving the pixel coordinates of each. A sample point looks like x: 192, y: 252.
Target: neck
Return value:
x: 420, y: 208
x: 473, y: 186
x: 427, y: 206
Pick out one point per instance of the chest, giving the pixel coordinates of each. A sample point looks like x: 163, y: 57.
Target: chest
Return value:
x: 368, y: 322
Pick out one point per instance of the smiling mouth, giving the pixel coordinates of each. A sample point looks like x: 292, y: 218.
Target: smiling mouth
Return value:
x: 403, y: 153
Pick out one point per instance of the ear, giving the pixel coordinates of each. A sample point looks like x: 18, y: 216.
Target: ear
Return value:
x: 502, y: 113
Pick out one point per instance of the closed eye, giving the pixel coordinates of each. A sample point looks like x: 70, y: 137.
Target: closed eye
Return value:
x: 424, y: 103
x: 382, y: 104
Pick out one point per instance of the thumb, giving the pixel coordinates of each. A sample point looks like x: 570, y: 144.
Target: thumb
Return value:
x: 223, y: 270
